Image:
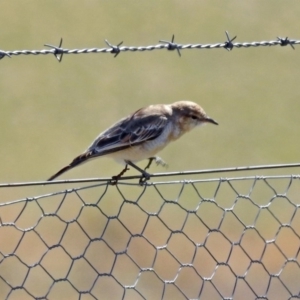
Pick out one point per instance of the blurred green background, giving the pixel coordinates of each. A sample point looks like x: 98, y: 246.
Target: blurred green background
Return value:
x: 51, y: 112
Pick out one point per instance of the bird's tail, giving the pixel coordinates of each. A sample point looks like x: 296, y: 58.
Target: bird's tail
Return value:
x: 76, y: 161
x: 63, y: 170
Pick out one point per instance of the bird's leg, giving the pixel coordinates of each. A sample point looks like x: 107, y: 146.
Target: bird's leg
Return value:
x: 150, y: 162
x: 115, y: 178
x: 146, y: 176
x: 158, y: 161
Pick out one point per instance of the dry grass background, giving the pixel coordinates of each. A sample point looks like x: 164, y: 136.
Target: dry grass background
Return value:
x: 51, y: 111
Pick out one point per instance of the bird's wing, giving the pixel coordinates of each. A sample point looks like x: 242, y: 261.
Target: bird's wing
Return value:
x: 128, y: 132
x: 131, y: 131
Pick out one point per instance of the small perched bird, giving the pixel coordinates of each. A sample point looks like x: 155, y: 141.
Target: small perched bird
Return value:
x: 143, y: 134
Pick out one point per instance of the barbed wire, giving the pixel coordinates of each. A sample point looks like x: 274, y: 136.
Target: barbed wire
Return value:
x: 171, y: 45
x: 154, y: 175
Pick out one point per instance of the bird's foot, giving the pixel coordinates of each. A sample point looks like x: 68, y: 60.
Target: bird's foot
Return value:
x: 114, y: 179
x: 145, y: 176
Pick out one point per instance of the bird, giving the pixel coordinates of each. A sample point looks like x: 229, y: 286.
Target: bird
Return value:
x: 141, y: 135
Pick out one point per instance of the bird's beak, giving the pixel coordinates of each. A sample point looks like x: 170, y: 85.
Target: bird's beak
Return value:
x: 210, y: 120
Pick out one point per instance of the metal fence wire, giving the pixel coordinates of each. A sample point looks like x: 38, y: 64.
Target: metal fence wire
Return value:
x: 222, y: 238
x: 59, y: 51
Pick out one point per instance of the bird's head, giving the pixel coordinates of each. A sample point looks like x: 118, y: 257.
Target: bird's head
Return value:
x: 190, y: 115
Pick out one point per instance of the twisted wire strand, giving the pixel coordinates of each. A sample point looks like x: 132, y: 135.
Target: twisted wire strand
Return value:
x: 58, y: 51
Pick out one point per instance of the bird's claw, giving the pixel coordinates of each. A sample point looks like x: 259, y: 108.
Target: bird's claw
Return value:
x: 114, y: 180
x: 145, y: 177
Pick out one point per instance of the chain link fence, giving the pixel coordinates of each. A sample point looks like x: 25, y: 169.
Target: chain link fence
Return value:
x: 222, y: 238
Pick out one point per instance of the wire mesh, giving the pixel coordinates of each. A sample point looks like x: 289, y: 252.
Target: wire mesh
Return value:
x: 222, y: 238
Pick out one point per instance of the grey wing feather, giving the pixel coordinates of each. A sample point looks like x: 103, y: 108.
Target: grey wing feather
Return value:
x: 127, y: 133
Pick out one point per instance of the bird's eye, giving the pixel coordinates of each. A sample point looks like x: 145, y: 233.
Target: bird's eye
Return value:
x: 194, y: 117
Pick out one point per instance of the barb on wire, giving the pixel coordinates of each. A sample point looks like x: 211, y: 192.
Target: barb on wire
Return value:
x: 58, y: 51
x: 170, y: 45
x: 285, y: 42
x: 3, y: 53
x: 114, y: 49
x: 228, y: 44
